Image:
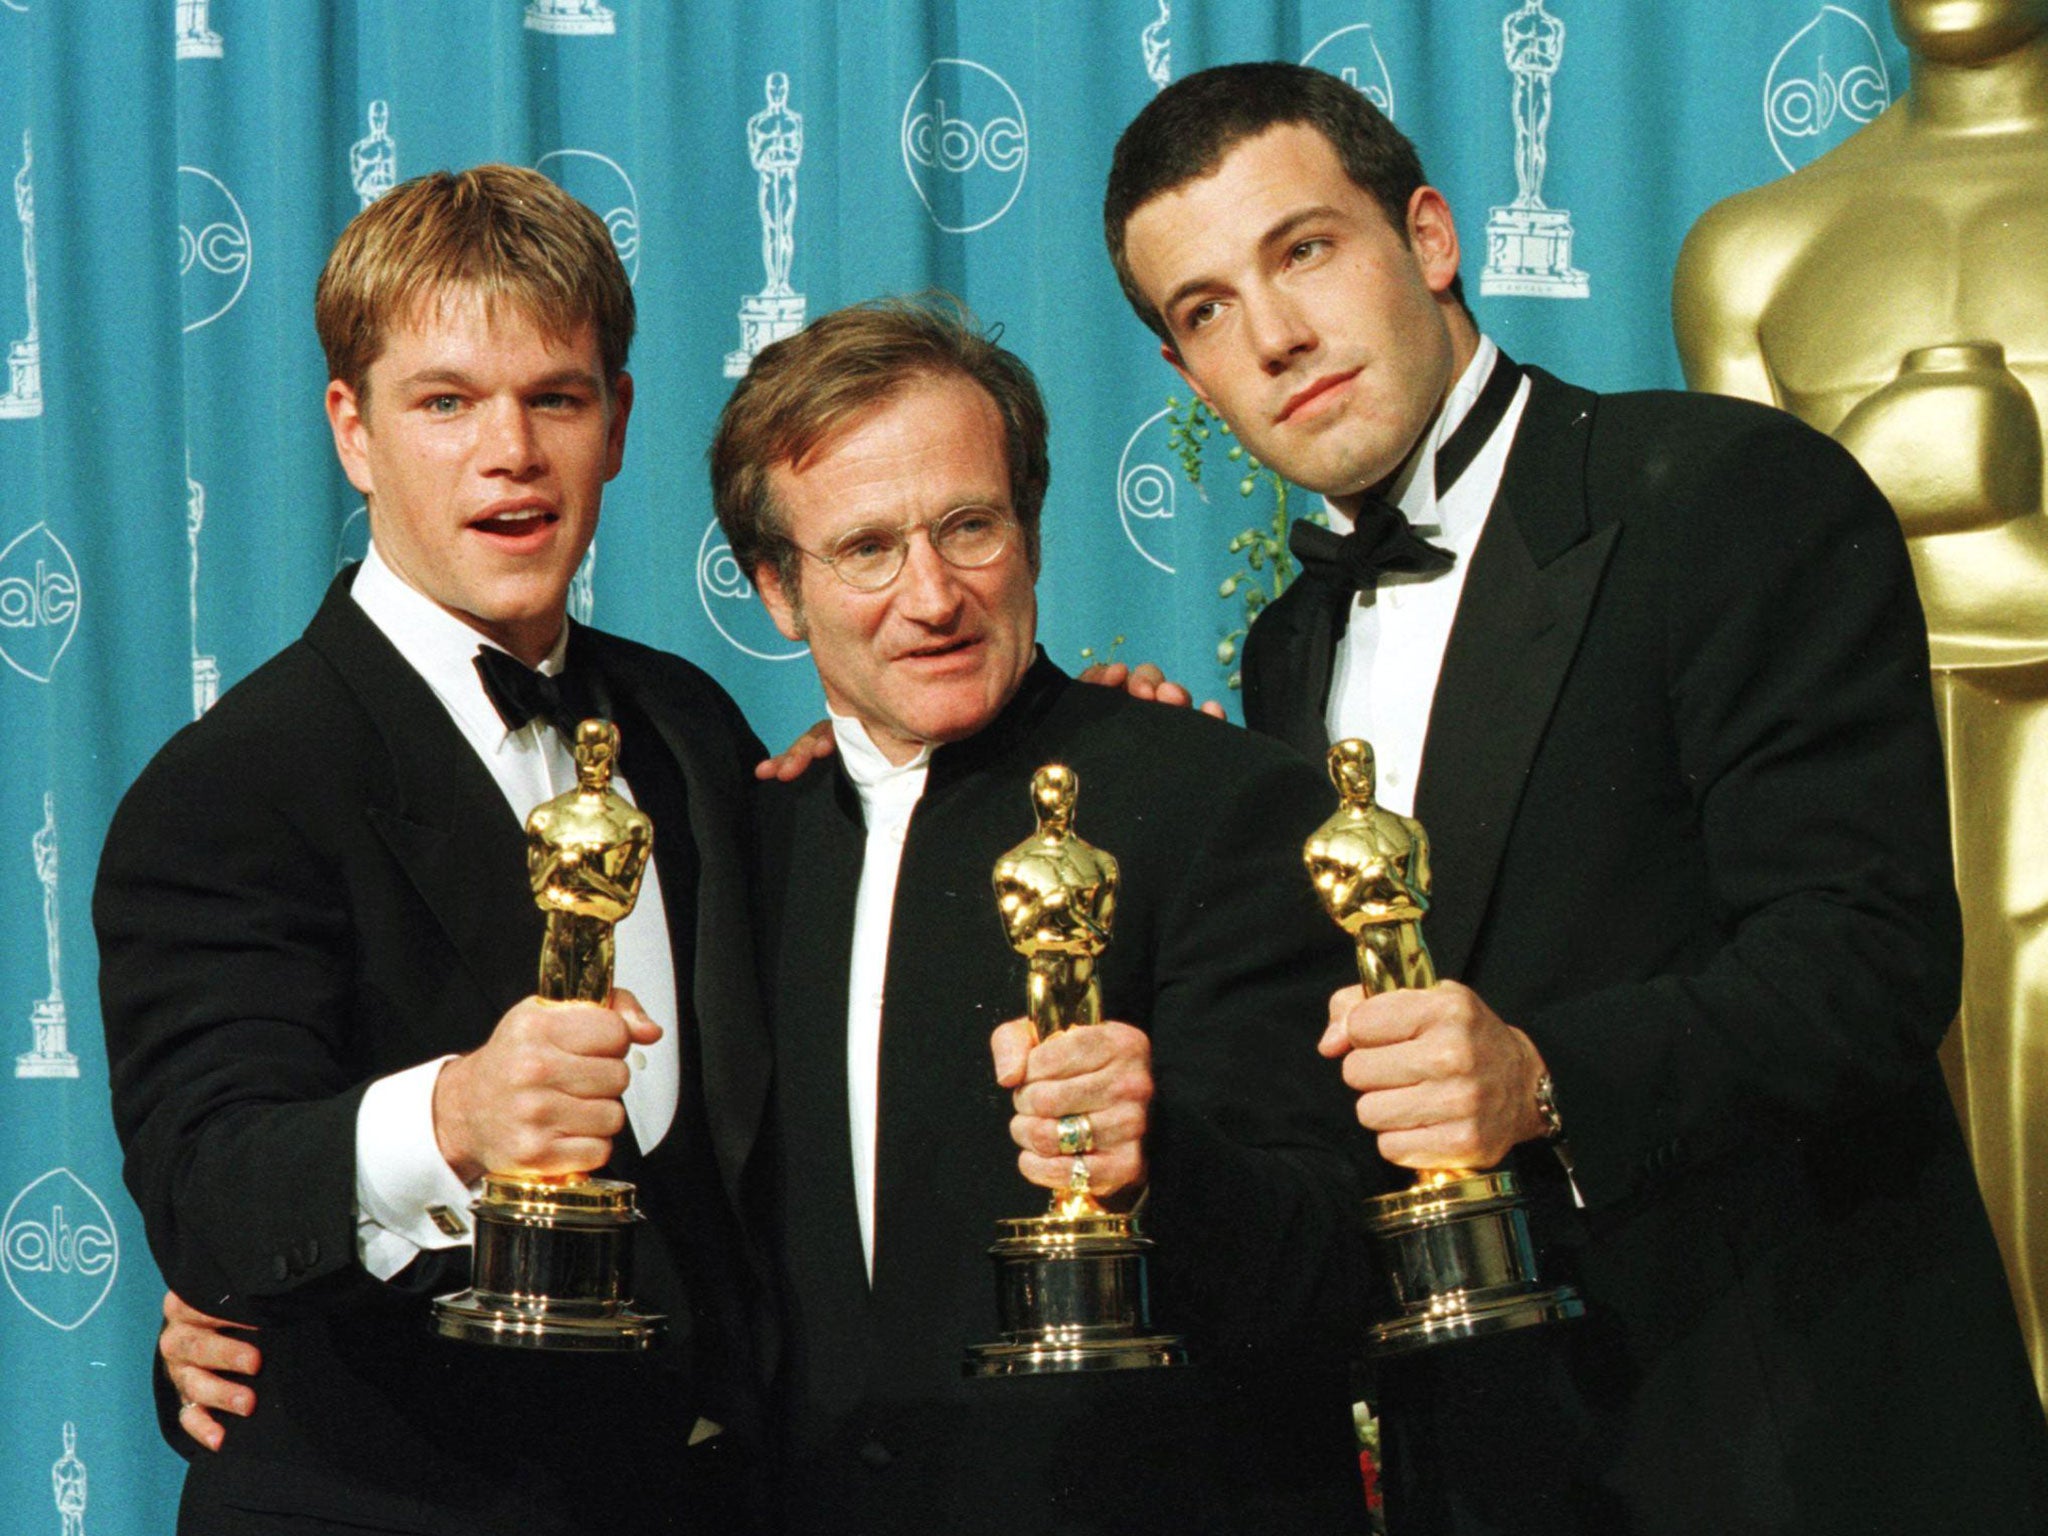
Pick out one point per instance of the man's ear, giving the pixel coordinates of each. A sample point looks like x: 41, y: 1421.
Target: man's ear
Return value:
x: 345, y: 418
x: 1173, y: 361
x: 787, y: 613
x: 1433, y: 237
x: 615, y: 430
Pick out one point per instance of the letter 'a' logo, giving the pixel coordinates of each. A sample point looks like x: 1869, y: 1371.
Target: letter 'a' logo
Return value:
x: 59, y: 1249
x: 38, y: 602
x: 728, y: 599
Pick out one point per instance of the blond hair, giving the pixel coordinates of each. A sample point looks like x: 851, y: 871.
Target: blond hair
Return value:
x: 503, y: 233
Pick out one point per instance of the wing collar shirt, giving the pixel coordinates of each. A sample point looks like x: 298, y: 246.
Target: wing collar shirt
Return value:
x: 1386, y: 667
x: 407, y: 1197
x: 889, y: 793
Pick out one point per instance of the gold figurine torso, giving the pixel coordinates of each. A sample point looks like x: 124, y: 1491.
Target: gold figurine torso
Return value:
x: 586, y: 853
x: 1057, y: 896
x: 1370, y: 868
x: 1864, y: 294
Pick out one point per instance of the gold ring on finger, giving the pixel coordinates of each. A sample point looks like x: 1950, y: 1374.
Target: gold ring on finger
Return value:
x: 1077, y: 1135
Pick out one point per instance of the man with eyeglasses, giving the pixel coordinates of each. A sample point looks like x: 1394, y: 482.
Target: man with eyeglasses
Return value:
x: 880, y: 475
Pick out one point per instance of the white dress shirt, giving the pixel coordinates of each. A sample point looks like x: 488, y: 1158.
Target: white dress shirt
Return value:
x: 889, y: 792
x: 407, y: 1197
x: 1385, y: 671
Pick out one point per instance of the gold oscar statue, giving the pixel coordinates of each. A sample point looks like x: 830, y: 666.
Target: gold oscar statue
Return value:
x: 1459, y: 1263
x: 553, y: 1252
x: 1071, y: 1290
x: 1890, y: 294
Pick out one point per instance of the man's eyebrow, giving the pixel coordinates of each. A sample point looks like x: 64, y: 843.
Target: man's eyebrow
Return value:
x: 558, y: 379
x: 1279, y: 233
x: 1285, y: 229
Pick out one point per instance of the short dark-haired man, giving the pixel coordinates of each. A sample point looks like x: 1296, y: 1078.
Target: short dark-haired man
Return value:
x: 318, y: 943
x: 880, y: 475
x: 1651, y: 671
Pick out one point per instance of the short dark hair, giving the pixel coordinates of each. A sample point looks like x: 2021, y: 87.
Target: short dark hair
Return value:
x: 503, y: 232
x: 1187, y: 129
x: 840, y: 368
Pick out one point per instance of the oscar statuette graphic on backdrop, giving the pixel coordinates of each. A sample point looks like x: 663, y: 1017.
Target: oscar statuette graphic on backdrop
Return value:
x: 775, y: 148
x: 52, y: 1056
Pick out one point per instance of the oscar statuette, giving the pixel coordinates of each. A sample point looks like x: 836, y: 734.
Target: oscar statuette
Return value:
x: 1071, y: 1284
x: 1455, y: 1244
x: 553, y: 1251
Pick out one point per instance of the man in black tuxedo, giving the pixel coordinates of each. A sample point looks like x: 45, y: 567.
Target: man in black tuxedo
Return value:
x: 318, y: 942
x: 880, y: 475
x: 1651, y: 671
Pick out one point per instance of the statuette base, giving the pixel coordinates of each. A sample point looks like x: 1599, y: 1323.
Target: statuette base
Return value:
x: 24, y: 397
x: 764, y: 318
x: 1071, y: 1295
x: 1529, y: 255
x: 1459, y: 1263
x: 547, y: 1271
x: 32, y: 1065
x: 599, y: 23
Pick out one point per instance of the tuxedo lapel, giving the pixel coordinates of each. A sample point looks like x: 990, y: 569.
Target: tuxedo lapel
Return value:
x: 1288, y: 656
x: 816, y: 850
x: 1524, y: 606
x: 449, y: 827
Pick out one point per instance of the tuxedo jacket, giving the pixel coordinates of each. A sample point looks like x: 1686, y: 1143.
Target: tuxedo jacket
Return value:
x: 1221, y: 954
x: 1689, y: 831
x: 316, y: 885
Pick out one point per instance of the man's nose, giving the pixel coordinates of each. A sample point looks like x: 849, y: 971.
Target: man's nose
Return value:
x: 1279, y: 331
x: 928, y: 589
x: 511, y: 446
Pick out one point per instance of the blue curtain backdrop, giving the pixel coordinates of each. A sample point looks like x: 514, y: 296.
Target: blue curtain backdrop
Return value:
x: 170, y: 508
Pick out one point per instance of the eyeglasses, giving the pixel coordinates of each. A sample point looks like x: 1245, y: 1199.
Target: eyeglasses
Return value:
x: 966, y: 538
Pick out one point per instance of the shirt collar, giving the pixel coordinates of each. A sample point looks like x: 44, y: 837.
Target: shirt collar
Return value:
x: 871, y: 771
x: 437, y: 645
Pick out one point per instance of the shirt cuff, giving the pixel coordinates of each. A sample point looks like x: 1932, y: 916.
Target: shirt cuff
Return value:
x: 407, y: 1197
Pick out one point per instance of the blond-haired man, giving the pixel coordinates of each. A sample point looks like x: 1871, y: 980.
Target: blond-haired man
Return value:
x: 318, y: 943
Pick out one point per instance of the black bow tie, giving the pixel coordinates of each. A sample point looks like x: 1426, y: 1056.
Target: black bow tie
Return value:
x: 1381, y: 539
x: 521, y: 695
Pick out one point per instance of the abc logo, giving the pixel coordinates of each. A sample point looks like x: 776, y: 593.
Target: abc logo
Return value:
x: 59, y: 1250
x: 214, y: 251
x: 38, y: 602
x: 601, y: 184
x: 1812, y: 99
x: 965, y: 144
x: 1353, y: 55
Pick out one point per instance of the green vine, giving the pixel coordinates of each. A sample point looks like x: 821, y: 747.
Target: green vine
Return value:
x: 1102, y: 658
x: 1268, y: 567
